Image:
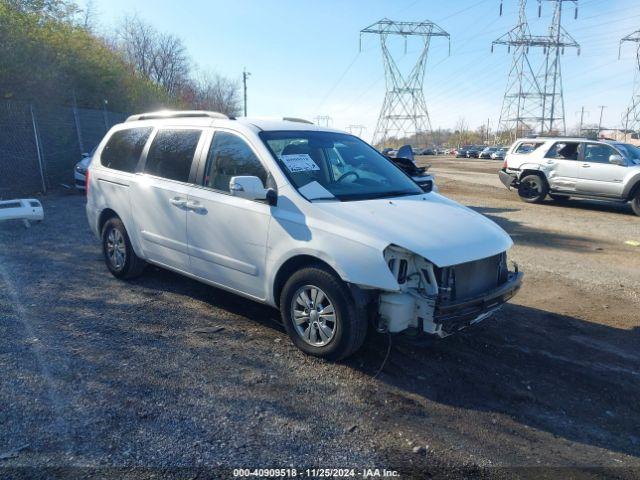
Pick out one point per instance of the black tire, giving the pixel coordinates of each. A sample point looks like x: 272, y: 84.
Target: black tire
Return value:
x: 129, y: 265
x: 635, y: 203
x: 350, y: 325
x: 559, y: 198
x: 533, y: 188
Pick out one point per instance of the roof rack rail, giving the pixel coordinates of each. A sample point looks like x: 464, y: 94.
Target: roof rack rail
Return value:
x: 298, y: 120
x: 175, y: 114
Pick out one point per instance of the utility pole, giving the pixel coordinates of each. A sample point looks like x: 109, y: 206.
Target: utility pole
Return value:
x: 245, y: 75
x: 487, y: 131
x: 404, y: 109
x: 602, y: 107
x: 581, y: 121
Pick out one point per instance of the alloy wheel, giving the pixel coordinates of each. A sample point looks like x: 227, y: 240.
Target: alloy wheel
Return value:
x: 313, y: 315
x: 116, y: 249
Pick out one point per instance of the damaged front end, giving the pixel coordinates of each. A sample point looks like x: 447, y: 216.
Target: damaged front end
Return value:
x: 441, y: 301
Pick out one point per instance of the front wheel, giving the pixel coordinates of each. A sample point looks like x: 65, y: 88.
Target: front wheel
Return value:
x: 635, y: 204
x: 320, y: 315
x: 533, y: 188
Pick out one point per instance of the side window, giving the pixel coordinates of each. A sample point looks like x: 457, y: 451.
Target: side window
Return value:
x: 124, y: 148
x: 598, y: 153
x: 171, y: 154
x: 527, y: 147
x: 230, y: 156
x: 564, y: 151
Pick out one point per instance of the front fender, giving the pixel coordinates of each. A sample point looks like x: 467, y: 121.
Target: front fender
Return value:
x: 631, y: 185
x: 355, y: 262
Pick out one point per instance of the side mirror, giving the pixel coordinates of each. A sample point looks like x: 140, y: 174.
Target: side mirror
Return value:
x: 616, y: 160
x: 251, y: 188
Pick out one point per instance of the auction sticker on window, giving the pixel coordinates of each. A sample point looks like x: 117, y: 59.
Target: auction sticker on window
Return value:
x: 299, y: 162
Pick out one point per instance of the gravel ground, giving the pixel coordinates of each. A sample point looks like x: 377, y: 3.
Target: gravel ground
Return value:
x: 162, y: 374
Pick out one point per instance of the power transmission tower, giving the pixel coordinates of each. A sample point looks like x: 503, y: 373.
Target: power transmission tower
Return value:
x: 356, y: 130
x: 533, y: 98
x: 404, y: 110
x: 324, y: 120
x: 553, y: 118
x: 631, y: 116
x: 522, y: 101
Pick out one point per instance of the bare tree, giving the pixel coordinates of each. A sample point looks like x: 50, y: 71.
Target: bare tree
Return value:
x: 461, y: 129
x: 217, y: 93
x: 160, y: 57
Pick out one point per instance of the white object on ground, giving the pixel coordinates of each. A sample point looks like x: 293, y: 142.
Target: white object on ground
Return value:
x: 25, y: 209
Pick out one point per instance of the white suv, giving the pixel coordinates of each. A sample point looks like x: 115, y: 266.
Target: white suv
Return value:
x: 573, y: 167
x: 313, y: 221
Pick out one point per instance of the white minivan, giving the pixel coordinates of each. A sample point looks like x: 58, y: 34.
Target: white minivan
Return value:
x: 310, y: 220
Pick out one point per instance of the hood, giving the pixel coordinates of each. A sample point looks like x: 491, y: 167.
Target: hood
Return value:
x: 432, y: 226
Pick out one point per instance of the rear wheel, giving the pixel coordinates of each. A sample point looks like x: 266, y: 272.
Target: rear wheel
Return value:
x: 635, y: 203
x: 533, y: 188
x: 320, y: 315
x: 119, y: 256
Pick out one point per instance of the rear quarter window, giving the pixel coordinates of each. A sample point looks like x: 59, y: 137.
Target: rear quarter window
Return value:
x: 124, y: 148
x: 171, y: 154
x: 527, y: 147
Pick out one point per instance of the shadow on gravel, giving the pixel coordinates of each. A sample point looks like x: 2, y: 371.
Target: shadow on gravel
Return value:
x: 556, y: 373
x: 572, y: 378
x: 559, y: 374
x: 535, y: 237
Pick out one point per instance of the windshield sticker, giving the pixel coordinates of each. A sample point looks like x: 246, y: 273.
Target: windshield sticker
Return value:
x: 315, y: 191
x: 299, y: 162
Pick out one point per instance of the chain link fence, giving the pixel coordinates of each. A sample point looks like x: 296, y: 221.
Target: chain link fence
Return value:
x: 41, y: 143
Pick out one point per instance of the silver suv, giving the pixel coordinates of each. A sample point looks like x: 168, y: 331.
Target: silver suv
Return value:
x: 573, y: 167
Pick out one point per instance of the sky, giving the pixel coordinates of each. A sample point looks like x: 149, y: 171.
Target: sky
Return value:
x: 305, y: 61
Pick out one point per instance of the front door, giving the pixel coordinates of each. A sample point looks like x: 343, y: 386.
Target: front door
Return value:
x: 227, y: 234
x: 597, y: 175
x: 159, y: 197
x: 561, y: 166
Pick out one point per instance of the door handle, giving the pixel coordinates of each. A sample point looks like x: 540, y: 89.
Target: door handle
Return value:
x: 586, y: 165
x: 178, y: 202
x: 196, y: 207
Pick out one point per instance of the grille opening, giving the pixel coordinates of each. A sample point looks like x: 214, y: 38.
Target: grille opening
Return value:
x: 471, y: 279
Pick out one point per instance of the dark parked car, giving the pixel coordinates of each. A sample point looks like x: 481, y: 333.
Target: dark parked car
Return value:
x: 473, y: 152
x: 462, y: 151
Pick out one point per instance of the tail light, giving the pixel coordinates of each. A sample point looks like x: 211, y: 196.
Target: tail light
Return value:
x: 504, y: 164
x: 86, y: 183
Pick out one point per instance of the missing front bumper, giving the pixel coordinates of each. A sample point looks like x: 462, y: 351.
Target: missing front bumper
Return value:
x: 456, y: 316
x: 508, y: 179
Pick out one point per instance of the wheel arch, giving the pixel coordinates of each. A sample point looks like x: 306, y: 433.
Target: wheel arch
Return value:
x: 634, y: 188
x: 294, y: 264
x: 108, y: 213
x: 105, y: 215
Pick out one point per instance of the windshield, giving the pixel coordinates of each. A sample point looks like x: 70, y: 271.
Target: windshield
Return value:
x: 336, y: 166
x: 630, y: 151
